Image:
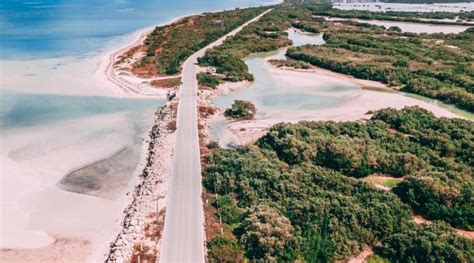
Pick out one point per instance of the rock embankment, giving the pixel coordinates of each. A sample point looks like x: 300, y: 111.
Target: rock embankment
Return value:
x: 143, y: 220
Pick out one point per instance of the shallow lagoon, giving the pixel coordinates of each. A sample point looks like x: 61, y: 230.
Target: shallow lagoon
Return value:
x: 68, y: 152
x: 19, y: 109
x: 410, y: 26
x: 271, y: 96
x: 266, y: 92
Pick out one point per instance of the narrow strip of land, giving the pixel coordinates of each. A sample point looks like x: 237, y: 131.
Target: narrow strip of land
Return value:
x: 183, y: 234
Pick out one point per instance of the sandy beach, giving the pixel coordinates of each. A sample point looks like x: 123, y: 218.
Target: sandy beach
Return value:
x: 40, y: 221
x: 111, y: 69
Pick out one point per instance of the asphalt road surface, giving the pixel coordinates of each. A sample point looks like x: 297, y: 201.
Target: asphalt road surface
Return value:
x: 183, y: 234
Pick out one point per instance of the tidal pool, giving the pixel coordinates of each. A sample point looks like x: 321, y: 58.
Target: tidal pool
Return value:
x: 267, y: 93
x: 276, y: 98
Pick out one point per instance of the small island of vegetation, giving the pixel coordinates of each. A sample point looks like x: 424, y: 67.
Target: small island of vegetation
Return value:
x: 241, y: 110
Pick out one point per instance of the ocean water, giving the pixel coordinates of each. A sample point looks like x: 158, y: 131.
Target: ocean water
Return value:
x: 55, y: 28
x: 66, y: 140
x: 26, y: 109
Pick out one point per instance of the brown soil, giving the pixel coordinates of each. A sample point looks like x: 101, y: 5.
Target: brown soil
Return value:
x: 166, y: 83
x: 213, y: 227
x: 145, y: 70
x: 146, y: 251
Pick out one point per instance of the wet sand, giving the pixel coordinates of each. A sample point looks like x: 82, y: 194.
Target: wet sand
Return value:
x: 356, y: 102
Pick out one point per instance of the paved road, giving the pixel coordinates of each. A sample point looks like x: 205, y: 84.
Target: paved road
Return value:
x: 183, y: 234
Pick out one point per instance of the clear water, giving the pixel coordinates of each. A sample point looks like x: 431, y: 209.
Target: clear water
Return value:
x: 270, y: 96
x: 53, y: 109
x: 267, y: 93
x: 27, y: 109
x: 55, y: 28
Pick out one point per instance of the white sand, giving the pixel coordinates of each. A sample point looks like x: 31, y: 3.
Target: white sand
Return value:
x: 35, y: 211
x: 88, y: 75
x: 129, y: 85
x: 357, y: 104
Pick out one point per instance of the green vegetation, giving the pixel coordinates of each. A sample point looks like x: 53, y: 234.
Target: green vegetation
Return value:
x: 231, y: 66
x: 389, y: 182
x: 298, y: 64
x: 293, y: 196
x: 267, y: 34
x: 438, y: 66
x: 208, y: 80
x: 241, y: 109
x: 394, y: 15
x: 428, y: 243
x: 423, y: 64
x: 168, y: 46
x: 223, y: 249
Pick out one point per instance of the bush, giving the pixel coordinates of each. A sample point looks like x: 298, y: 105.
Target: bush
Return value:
x: 228, y: 210
x: 231, y: 66
x: 266, y: 234
x: 395, y: 29
x: 222, y: 249
x: 207, y: 80
x: 242, y: 110
x: 428, y: 243
x: 304, y: 172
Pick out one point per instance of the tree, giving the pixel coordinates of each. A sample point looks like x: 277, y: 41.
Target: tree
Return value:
x: 395, y: 29
x: 319, y: 246
x: 222, y: 249
x: 428, y: 243
x: 266, y: 234
x: 241, y: 109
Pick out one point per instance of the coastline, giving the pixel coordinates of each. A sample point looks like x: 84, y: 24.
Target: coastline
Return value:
x: 89, y: 248
x: 357, y: 104
x: 141, y: 185
x: 107, y: 72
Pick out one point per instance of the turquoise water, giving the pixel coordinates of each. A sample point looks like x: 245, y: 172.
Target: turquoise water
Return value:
x: 50, y: 49
x: 55, y: 28
x: 266, y: 92
x: 29, y: 109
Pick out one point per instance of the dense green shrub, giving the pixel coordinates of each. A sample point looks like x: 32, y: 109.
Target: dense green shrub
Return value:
x: 439, y: 197
x: 170, y: 45
x: 207, y: 80
x: 301, y: 176
x: 223, y: 249
x: 228, y: 210
x: 231, y: 66
x: 266, y: 234
x: 241, y: 109
x: 428, y: 243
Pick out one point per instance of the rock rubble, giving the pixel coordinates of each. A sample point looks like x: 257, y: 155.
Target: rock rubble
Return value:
x: 143, y: 220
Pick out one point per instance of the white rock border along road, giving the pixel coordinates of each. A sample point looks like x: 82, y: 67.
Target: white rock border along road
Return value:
x: 183, y: 234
